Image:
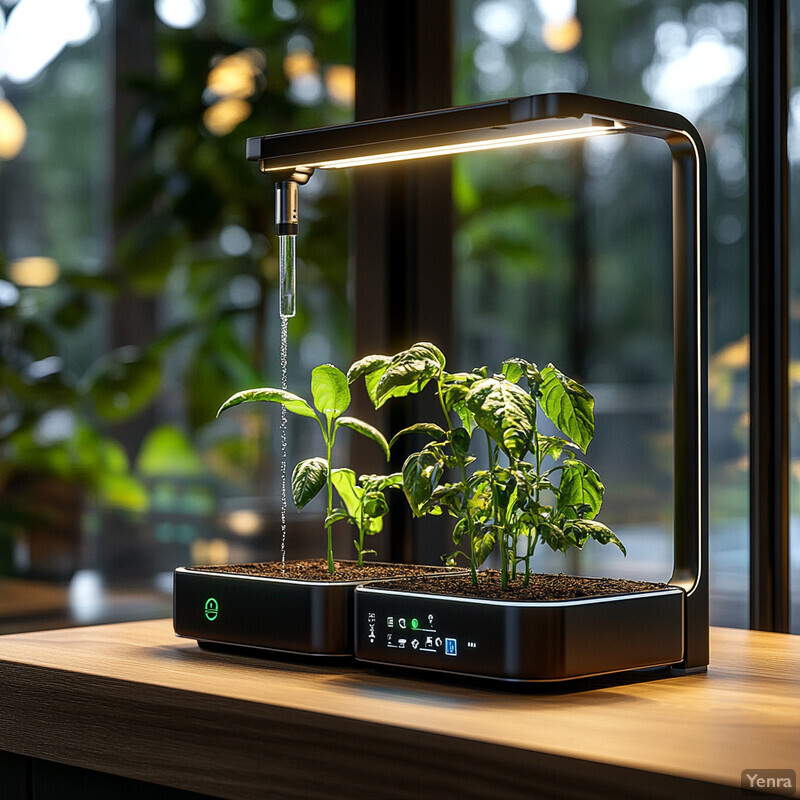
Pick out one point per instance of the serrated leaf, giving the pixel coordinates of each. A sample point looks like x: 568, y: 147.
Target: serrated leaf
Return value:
x: 344, y: 481
x: 506, y: 412
x: 568, y: 406
x: 292, y: 402
x: 409, y: 372
x: 429, y: 428
x: 330, y: 390
x: 308, y: 478
x: 580, y: 492
x: 365, y: 429
x: 421, y: 473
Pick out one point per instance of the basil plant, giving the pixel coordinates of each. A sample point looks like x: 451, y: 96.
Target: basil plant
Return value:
x: 364, y: 504
x: 517, y: 502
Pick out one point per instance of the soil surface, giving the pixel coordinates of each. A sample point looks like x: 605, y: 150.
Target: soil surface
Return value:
x: 317, y: 570
x: 541, y: 587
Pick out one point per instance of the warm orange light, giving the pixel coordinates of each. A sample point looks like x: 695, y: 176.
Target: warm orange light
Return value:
x: 244, y: 522
x: 222, y: 117
x: 33, y: 271
x: 299, y: 63
x: 237, y: 75
x: 562, y: 36
x: 340, y: 81
x: 13, y: 131
x: 733, y: 356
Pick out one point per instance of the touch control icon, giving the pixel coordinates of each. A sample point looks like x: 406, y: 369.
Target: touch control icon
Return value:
x: 212, y: 609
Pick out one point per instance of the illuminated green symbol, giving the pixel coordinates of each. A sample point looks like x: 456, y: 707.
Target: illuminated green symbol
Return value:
x: 212, y: 609
x: 415, y: 623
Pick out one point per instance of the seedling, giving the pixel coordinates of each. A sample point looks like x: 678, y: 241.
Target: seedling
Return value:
x: 331, y: 397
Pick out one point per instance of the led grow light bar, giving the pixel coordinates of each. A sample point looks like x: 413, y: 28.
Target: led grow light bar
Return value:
x: 454, y: 148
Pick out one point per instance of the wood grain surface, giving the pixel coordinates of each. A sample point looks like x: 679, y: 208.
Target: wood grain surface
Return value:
x: 133, y: 700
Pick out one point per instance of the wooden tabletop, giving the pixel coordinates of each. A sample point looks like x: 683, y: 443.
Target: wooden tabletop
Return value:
x: 133, y: 700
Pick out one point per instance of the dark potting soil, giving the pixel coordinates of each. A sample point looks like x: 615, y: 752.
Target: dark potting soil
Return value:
x: 541, y: 587
x: 317, y: 570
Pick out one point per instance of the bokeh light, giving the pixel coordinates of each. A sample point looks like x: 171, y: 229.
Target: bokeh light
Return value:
x: 33, y: 271
x: 13, y: 131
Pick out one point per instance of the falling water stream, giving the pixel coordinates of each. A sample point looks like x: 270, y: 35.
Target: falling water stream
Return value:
x: 284, y: 365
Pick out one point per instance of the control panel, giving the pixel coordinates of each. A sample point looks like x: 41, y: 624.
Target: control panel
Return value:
x: 417, y: 631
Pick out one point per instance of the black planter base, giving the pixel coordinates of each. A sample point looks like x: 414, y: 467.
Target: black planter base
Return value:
x: 519, y: 641
x: 265, y: 614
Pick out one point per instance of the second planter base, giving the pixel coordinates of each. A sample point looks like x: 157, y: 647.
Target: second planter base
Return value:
x: 520, y: 641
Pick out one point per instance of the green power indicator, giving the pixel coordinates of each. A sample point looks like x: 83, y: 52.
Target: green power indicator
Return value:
x: 212, y: 609
x: 415, y: 623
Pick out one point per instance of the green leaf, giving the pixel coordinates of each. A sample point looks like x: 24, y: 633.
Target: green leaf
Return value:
x: 292, y: 402
x: 483, y: 545
x: 409, y: 372
x: 465, y: 415
x: 380, y: 482
x: 344, y: 481
x: 330, y: 390
x: 506, y: 412
x: 366, y: 366
x: 308, y: 478
x: 568, y: 406
x: 365, y: 429
x: 580, y: 492
x: 460, y: 440
x: 597, y: 531
x: 433, y: 430
x: 421, y: 473
x: 516, y: 368
x: 553, y: 446
x: 336, y: 515
x: 450, y: 497
x: 372, y: 369
x: 375, y: 505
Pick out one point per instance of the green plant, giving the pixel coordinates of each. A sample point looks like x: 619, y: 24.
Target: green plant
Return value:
x: 514, y: 503
x: 365, y: 505
x: 331, y: 396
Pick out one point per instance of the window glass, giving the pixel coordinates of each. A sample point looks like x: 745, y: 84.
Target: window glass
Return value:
x: 794, y: 314
x: 138, y: 291
x: 564, y: 253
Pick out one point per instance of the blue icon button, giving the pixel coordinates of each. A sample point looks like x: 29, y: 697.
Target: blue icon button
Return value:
x: 450, y: 647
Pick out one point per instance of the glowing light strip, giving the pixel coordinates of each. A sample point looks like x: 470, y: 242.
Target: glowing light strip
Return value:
x: 455, y: 148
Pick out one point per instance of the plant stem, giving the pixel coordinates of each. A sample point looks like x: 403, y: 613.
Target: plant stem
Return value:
x: 473, y: 570
x: 360, y: 561
x: 329, y: 439
x: 496, y: 514
x: 538, y: 455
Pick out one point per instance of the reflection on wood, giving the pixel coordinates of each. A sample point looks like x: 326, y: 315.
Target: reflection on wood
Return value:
x: 133, y: 700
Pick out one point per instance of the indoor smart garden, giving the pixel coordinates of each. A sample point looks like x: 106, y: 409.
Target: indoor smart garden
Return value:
x: 509, y: 623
